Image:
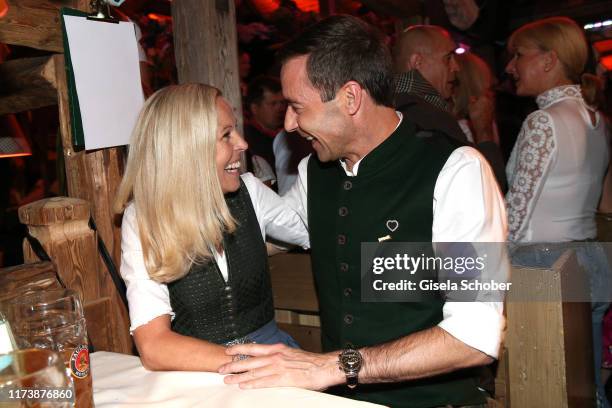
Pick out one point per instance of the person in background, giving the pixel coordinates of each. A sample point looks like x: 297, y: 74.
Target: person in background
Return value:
x: 244, y: 69
x: 192, y: 239
x: 557, y: 167
x: 289, y: 150
x: 426, y: 73
x: 267, y: 107
x: 474, y: 96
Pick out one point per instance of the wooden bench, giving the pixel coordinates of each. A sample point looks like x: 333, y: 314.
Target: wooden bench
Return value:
x: 295, y: 299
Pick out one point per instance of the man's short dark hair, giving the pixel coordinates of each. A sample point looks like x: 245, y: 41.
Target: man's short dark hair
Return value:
x: 343, y: 48
x: 257, y: 87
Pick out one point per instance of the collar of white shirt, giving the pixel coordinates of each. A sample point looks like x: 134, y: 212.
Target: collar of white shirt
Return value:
x: 355, y: 169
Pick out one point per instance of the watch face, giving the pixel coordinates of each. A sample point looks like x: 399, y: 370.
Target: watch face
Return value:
x: 351, y: 360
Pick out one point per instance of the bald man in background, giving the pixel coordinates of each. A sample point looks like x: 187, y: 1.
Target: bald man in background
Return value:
x: 424, y: 60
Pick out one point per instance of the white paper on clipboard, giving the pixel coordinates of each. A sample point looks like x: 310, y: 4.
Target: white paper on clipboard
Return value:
x: 107, y: 78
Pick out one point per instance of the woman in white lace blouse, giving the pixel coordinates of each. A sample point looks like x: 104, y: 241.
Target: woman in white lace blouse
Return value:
x: 556, y: 169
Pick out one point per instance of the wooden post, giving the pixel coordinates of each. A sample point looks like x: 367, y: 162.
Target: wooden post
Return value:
x: 95, y: 176
x: 548, y: 341
x: 61, y: 226
x: 206, y: 47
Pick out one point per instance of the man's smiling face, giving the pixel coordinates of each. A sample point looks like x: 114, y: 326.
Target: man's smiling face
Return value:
x: 318, y: 121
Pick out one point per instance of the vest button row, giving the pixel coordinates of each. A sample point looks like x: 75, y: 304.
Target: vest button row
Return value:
x: 344, y: 267
x: 348, y: 319
x: 347, y: 185
x: 348, y: 292
x: 341, y: 239
x: 343, y: 211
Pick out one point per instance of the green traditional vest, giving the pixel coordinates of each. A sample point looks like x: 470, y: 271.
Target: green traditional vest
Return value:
x: 207, y: 307
x: 393, y: 190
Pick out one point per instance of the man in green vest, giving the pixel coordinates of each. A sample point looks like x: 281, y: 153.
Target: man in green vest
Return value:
x: 375, y: 178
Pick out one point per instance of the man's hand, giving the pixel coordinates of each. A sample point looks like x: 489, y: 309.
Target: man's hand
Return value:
x: 281, y: 366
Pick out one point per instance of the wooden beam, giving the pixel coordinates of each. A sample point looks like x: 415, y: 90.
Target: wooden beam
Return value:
x: 206, y: 47
x: 27, y: 83
x: 36, y: 23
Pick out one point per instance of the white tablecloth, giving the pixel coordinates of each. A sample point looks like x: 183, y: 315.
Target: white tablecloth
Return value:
x: 120, y: 380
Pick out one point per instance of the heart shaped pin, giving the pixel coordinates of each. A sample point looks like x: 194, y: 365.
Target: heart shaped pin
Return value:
x: 392, y: 225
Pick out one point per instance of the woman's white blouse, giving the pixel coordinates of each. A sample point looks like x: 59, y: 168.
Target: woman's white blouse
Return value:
x: 148, y: 299
x: 556, y: 170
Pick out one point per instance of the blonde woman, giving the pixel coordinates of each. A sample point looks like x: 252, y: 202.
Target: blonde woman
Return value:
x: 473, y: 98
x: 193, y: 253
x: 557, y: 167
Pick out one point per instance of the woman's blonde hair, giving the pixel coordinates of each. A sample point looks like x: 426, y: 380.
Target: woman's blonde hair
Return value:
x: 475, y: 79
x: 566, y: 38
x: 171, y: 177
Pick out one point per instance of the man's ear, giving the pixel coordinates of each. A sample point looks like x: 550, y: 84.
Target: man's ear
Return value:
x: 415, y: 61
x: 352, y: 97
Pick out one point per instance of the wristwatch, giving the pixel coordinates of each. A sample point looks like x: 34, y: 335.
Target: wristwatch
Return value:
x: 350, y: 361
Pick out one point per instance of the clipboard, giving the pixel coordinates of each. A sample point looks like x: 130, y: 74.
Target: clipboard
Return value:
x: 78, y: 138
x: 109, y: 121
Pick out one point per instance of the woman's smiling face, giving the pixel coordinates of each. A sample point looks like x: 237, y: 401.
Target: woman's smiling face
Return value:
x: 228, y: 148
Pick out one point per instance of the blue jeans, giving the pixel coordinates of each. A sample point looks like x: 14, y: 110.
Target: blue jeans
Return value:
x: 269, y: 333
x: 591, y: 256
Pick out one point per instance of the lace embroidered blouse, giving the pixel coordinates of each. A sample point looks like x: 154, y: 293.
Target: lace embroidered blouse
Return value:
x: 556, y: 170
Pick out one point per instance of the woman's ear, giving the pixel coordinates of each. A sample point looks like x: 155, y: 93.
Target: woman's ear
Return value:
x: 550, y: 60
x: 352, y: 94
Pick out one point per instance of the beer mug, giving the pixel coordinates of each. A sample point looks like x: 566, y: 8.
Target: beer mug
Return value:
x: 54, y: 320
x: 34, y: 378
